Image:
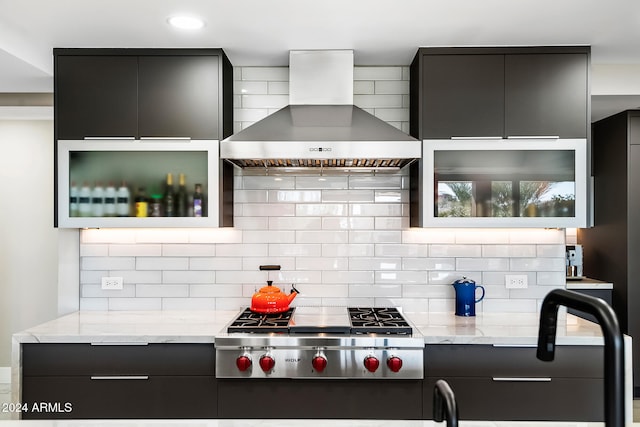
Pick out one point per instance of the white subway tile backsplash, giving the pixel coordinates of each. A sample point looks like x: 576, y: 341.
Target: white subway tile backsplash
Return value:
x: 386, y: 87
x: 391, y: 223
x: 351, y: 251
x: 140, y: 250
x: 346, y: 196
x: 377, y: 73
x: 278, y: 88
x: 343, y: 239
x: 264, y: 101
x: 94, y: 250
x: 107, y: 263
x: 377, y: 101
x: 388, y: 291
x: 188, y: 303
x: 215, y: 291
x: 383, y: 236
x: 188, y: 250
x: 347, y: 223
x: 377, y: 209
x: 322, y: 236
x: 402, y: 250
x: 246, y: 87
x: 537, y: 264
x: 468, y: 251
x: 294, y: 196
x: 254, y: 263
x: 550, y: 251
x: 302, y: 250
x: 364, y: 87
x: 294, y: 223
x: 270, y: 236
x: 269, y: 209
x: 280, y: 74
x: 268, y: 182
x: 162, y: 263
x: 482, y: 264
x: 322, y: 264
x: 428, y: 263
x: 397, y: 115
x: 215, y: 263
x: 391, y: 196
x: 372, y: 263
x: 348, y: 277
x: 322, y: 183
x: 253, y: 223
x: 377, y: 182
x: 189, y: 276
x: 324, y: 209
x: 251, y: 196
x: 428, y: 235
x: 402, y: 277
x: 242, y: 250
x: 152, y: 291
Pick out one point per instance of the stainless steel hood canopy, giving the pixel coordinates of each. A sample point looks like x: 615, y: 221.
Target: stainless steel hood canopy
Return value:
x: 321, y: 128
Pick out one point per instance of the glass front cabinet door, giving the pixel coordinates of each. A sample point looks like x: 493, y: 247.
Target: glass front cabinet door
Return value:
x: 138, y: 183
x: 505, y: 183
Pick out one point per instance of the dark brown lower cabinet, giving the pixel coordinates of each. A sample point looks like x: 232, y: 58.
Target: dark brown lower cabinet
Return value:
x: 511, y: 384
x: 81, y: 381
x: 320, y: 399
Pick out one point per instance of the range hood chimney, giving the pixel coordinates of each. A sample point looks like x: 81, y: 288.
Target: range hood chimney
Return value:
x: 321, y: 128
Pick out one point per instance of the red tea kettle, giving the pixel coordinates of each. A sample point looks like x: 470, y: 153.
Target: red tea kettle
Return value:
x: 270, y: 299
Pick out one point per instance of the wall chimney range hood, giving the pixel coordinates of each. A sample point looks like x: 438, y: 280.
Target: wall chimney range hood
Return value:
x: 321, y: 128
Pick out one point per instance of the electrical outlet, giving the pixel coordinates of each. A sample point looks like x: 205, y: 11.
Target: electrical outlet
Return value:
x: 516, y: 281
x: 112, y: 283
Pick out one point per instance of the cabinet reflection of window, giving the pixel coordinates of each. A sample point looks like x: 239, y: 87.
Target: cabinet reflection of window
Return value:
x: 501, y: 199
x: 455, y: 199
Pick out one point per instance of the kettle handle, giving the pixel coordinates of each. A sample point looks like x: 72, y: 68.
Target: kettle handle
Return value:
x: 481, y: 296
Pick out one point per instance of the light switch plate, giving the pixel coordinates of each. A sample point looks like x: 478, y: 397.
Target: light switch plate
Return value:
x: 112, y: 283
x: 516, y: 281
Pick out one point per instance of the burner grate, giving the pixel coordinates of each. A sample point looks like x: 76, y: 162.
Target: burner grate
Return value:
x: 379, y: 320
x: 251, y: 322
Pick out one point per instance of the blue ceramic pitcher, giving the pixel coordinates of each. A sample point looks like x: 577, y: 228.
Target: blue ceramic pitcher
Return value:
x: 466, y: 296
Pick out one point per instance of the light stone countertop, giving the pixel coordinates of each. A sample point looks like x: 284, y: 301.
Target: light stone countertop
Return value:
x: 292, y: 423
x: 203, y: 326
x: 588, y: 283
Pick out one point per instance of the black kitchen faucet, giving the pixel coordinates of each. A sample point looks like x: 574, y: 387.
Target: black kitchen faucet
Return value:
x: 613, y: 345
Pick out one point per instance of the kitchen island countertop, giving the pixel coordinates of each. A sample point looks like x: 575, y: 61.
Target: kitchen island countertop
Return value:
x: 203, y: 326
x: 294, y: 423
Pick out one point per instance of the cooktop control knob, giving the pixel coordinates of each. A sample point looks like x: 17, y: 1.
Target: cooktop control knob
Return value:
x: 267, y: 362
x: 371, y: 363
x: 394, y: 363
x: 319, y: 362
x: 243, y: 362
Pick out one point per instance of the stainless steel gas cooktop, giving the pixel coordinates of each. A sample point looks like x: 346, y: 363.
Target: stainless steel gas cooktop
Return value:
x: 321, y: 342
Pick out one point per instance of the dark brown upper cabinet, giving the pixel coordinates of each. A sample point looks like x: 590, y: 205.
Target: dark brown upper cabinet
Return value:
x: 500, y: 92
x: 141, y: 93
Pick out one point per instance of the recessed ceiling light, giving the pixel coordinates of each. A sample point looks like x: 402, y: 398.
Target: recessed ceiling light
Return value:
x: 186, y: 22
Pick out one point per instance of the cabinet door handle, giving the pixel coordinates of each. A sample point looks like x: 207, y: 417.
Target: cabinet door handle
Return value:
x: 165, y: 139
x: 533, y: 137
x: 109, y: 138
x: 119, y: 377
x: 523, y: 379
x: 515, y: 345
x: 475, y: 137
x: 118, y: 343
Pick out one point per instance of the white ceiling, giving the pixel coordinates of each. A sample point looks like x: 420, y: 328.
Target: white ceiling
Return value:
x: 261, y: 32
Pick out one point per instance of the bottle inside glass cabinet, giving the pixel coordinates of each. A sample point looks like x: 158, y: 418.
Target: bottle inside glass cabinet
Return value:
x: 198, y: 201
x: 142, y: 203
x: 169, y: 199
x: 181, y: 197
